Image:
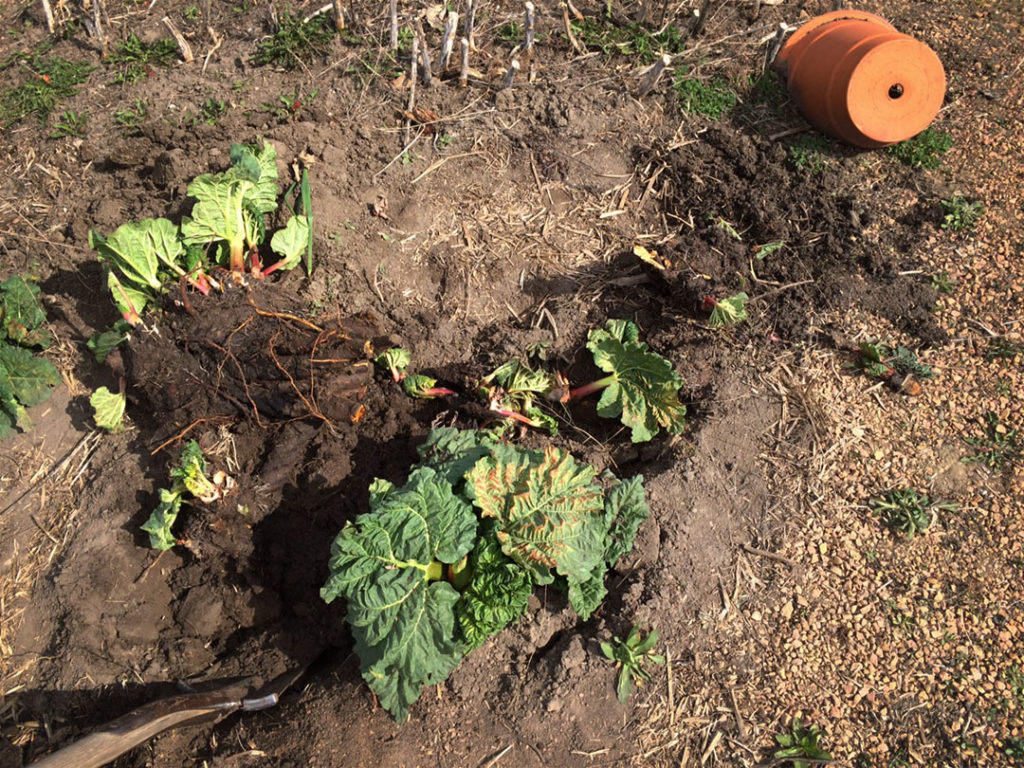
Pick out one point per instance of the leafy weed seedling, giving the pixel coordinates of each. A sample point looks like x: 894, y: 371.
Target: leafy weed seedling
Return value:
x: 924, y: 150
x: 768, y: 90
x: 907, y: 511
x: 136, y: 59
x: 961, y: 215
x: 1002, y: 348
x: 808, y: 153
x: 130, y: 118
x: 631, y: 40
x: 894, y: 366
x: 999, y: 447
x: 711, y: 99
x: 71, y: 123
x: 295, y: 41
x: 213, y: 110
x: 47, y: 82
x: 190, y: 13
x: 801, y: 742
x: 630, y: 656
x: 942, y: 282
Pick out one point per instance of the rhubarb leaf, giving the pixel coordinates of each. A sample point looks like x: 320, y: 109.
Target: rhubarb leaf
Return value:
x: 105, y: 342
x: 29, y: 379
x: 385, y: 566
x: 139, y: 249
x: 643, y: 388
x: 190, y: 474
x: 453, y: 452
x: 513, y: 387
x: 108, y: 409
x: 729, y: 311
x: 497, y: 594
x: 130, y: 302
x: 423, y: 387
x: 395, y: 360
x: 158, y: 526
x: 549, y: 510
x: 220, y: 214
x: 21, y: 315
x: 258, y: 166
x: 290, y: 243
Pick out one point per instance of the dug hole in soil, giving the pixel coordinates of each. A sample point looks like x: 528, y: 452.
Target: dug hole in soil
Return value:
x: 502, y: 245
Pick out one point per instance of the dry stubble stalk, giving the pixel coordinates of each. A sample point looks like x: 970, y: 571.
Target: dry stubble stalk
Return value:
x: 48, y: 12
x: 414, y: 72
x: 393, y: 10
x: 568, y: 30
x: 653, y: 74
x: 470, y: 18
x: 183, y: 46
x: 421, y: 38
x: 510, y: 75
x: 448, y: 42
x: 529, y: 28
x: 339, y: 15
x: 464, y: 69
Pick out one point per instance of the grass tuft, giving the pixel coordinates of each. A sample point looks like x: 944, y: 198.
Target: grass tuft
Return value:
x: 924, y: 150
x: 295, y: 41
x: 48, y: 81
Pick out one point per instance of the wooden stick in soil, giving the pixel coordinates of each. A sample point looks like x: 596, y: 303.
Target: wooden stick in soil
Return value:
x: 339, y: 15
x: 653, y: 74
x: 97, y: 13
x: 447, y: 42
x: 414, y: 73
x: 528, y: 48
x: 48, y: 12
x: 183, y: 46
x: 393, y: 11
x: 510, y: 75
x: 464, y: 69
x: 424, y: 54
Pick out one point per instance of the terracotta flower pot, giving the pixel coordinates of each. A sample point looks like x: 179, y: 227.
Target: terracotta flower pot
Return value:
x: 854, y: 77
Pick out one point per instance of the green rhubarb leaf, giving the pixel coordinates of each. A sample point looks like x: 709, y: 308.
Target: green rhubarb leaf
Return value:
x: 453, y: 452
x: 103, y: 343
x: 497, y: 594
x: 625, y: 509
x: 259, y: 167
x: 729, y: 311
x: 108, y: 409
x: 220, y: 213
x: 21, y: 315
x: 416, y: 385
x: 514, y: 387
x: 29, y: 379
x: 548, y: 508
x: 395, y: 360
x: 130, y: 302
x: 385, y: 566
x: 190, y: 474
x: 12, y: 413
x: 158, y: 526
x: 290, y: 243
x: 139, y: 249
x: 643, y: 389
x: 586, y: 596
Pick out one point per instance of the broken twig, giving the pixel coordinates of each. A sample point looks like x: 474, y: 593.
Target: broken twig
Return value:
x: 653, y: 74
x: 510, y: 75
x: 183, y: 46
x: 447, y: 42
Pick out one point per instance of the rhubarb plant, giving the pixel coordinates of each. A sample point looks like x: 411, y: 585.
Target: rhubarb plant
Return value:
x: 443, y: 562
x: 641, y: 388
x: 25, y: 378
x: 189, y: 479
x: 514, y: 390
x: 396, y: 360
x: 726, y: 312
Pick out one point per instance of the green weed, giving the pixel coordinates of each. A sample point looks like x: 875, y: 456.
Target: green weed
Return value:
x: 711, y: 99
x: 1003, y: 348
x: 801, y: 742
x: 907, y: 511
x: 808, y: 153
x: 630, y: 655
x: 942, y: 282
x: 961, y: 215
x: 631, y: 40
x: 212, y: 111
x: 510, y: 32
x: 1014, y: 749
x: 136, y: 59
x: 190, y: 13
x: 47, y: 82
x: 71, y: 124
x: 130, y: 118
x: 767, y: 89
x: 295, y: 41
x: 924, y: 150
x: 999, y: 447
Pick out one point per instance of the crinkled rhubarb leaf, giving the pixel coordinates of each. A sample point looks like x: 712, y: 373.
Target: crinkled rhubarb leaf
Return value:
x: 108, y: 409
x: 138, y: 249
x: 290, y: 243
x: 21, y: 315
x: 190, y: 474
x: 28, y: 378
x: 625, y: 508
x: 514, y: 387
x: 221, y: 213
x: 386, y: 566
x: 729, y: 311
x: 644, y: 387
x: 453, y: 452
x: 548, y: 508
x: 496, y: 595
x: 158, y: 526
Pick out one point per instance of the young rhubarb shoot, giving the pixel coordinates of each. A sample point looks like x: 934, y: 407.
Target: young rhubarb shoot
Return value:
x: 726, y: 312
x: 395, y: 360
x: 642, y: 388
x: 423, y: 387
x: 511, y: 391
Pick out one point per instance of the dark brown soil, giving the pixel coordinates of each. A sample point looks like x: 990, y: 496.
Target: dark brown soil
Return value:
x: 492, y: 242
